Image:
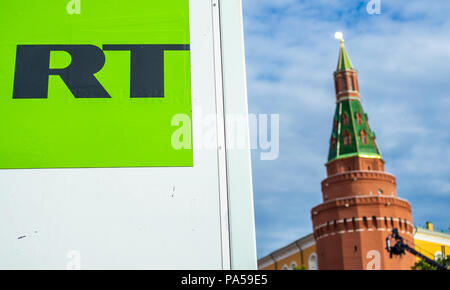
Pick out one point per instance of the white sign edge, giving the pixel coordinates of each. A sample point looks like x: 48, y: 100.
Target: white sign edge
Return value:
x: 239, y: 170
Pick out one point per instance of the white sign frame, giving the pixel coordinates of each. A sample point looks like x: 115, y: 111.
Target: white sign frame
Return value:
x: 71, y: 218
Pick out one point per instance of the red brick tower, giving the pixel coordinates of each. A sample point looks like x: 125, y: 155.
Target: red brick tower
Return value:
x: 360, y: 204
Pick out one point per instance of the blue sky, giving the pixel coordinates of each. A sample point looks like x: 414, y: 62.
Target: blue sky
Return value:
x: 403, y: 59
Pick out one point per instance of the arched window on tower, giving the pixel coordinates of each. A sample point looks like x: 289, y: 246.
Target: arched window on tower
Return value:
x: 344, y: 83
x: 345, y: 119
x: 347, y: 138
x: 364, y: 139
x: 333, y: 143
x: 358, y: 118
x: 352, y: 84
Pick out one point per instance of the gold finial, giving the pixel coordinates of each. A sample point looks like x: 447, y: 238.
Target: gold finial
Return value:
x: 338, y: 35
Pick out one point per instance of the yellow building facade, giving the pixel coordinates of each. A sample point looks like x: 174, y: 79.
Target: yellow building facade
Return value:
x: 431, y: 243
x: 297, y: 255
x: 301, y: 254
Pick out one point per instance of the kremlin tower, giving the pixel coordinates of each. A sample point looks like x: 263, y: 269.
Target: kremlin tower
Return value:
x: 360, y: 205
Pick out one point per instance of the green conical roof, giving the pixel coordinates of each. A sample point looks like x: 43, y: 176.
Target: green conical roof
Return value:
x: 351, y: 134
x: 344, y: 61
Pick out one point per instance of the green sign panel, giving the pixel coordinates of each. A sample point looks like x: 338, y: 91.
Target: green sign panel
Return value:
x: 94, y: 83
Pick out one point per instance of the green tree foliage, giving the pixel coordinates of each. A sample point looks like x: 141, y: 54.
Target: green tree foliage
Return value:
x: 303, y: 267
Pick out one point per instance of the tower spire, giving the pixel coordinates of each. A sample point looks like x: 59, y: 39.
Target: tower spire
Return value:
x: 344, y: 62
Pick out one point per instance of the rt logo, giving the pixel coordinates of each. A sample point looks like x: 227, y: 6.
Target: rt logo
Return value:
x: 33, y: 61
